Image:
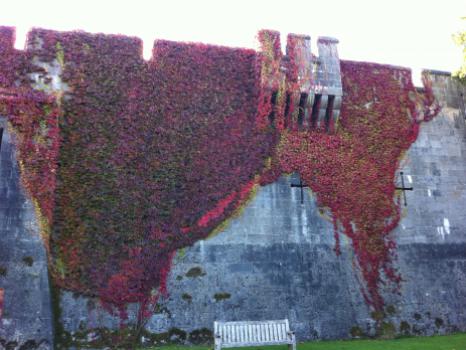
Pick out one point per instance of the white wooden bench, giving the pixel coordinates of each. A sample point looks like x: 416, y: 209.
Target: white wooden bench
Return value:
x: 252, y: 333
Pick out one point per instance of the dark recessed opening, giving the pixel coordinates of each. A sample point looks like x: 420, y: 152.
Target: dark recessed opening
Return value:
x: 302, y: 109
x: 1, y: 136
x: 287, y: 109
x: 273, y: 102
x: 329, y: 112
x: 315, y: 110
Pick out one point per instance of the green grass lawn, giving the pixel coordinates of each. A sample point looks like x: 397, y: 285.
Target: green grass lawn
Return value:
x: 450, y: 342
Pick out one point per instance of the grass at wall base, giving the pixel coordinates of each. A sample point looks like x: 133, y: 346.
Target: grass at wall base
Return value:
x: 439, y: 342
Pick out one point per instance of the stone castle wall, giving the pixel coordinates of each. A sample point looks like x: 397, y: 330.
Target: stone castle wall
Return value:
x: 26, y: 315
x: 276, y: 260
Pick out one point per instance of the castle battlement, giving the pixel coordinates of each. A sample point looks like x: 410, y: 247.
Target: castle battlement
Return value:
x: 311, y: 84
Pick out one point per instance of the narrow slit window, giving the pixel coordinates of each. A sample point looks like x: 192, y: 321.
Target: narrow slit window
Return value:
x: 315, y: 110
x: 302, y: 109
x: 329, y: 111
x: 287, y: 109
x: 273, y: 102
x: 1, y: 136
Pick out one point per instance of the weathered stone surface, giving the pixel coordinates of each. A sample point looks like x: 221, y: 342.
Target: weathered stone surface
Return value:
x: 276, y: 260
x: 328, y: 81
x: 26, y: 315
x: 449, y: 91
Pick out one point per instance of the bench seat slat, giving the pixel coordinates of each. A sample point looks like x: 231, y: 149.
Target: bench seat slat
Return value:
x: 232, y: 334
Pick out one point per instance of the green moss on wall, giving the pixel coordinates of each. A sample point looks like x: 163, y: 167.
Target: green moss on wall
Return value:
x: 221, y: 296
x: 195, y: 272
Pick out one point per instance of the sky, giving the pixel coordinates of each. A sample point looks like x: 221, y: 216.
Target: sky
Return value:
x: 410, y: 33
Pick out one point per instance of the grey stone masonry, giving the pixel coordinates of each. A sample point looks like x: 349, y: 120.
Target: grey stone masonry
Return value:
x: 26, y: 318
x: 328, y: 77
x: 327, y: 83
x: 276, y: 260
x: 449, y: 91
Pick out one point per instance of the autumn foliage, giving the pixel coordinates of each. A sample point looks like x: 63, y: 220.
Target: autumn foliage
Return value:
x: 140, y: 158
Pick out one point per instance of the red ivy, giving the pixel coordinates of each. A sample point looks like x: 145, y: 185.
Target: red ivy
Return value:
x: 352, y: 172
x: 153, y: 156
x: 143, y: 158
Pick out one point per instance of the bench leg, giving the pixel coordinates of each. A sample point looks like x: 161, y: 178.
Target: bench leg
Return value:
x: 292, y: 346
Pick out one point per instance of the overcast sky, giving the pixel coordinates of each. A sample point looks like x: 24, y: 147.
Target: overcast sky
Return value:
x: 412, y: 33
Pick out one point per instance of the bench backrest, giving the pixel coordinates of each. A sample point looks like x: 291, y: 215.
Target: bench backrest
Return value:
x: 252, y: 332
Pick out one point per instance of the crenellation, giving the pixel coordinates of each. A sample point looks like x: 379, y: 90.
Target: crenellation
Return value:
x: 302, y: 73
x: 304, y: 76
x: 328, y: 83
x: 449, y: 91
x: 298, y: 49
x: 7, y: 38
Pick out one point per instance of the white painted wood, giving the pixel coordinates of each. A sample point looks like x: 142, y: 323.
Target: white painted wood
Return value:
x: 252, y: 333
